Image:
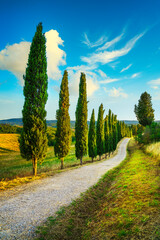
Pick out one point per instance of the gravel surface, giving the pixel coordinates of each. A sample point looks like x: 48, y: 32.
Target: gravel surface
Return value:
x: 27, y: 206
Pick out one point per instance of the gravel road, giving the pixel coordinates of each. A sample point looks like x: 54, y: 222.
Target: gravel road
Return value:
x: 27, y: 206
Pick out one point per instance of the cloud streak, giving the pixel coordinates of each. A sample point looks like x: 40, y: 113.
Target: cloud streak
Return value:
x: 104, y: 57
x: 110, y: 43
x: 126, y: 68
x: 99, y: 42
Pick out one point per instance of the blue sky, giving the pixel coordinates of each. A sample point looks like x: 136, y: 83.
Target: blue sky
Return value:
x: 116, y: 43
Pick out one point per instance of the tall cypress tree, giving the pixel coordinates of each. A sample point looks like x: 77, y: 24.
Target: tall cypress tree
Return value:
x: 92, y: 137
x: 81, y: 127
x: 115, y: 132
x: 33, y: 140
x: 63, y: 132
x: 106, y: 135
x: 100, y: 132
x: 110, y: 131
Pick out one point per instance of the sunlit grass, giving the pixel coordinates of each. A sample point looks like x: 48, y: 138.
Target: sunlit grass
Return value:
x: 15, y: 170
x: 9, y: 142
x: 123, y: 205
x: 153, y: 149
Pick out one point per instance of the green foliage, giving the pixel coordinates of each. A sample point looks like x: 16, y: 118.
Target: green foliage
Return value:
x: 51, y: 136
x: 149, y: 134
x: 33, y: 141
x: 106, y: 134
x: 81, y: 127
x: 63, y: 133
x: 110, y: 131
x: 144, y: 111
x: 92, y: 137
x: 100, y: 131
x: 7, y: 128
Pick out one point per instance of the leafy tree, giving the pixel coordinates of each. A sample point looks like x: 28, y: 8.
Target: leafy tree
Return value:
x: 33, y: 140
x: 144, y: 111
x: 100, y: 132
x: 63, y: 133
x: 106, y: 135
x: 81, y: 127
x: 92, y: 137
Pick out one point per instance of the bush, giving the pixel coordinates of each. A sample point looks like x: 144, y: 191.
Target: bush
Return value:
x: 150, y: 134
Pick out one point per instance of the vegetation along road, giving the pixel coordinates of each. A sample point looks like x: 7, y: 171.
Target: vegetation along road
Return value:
x: 25, y: 207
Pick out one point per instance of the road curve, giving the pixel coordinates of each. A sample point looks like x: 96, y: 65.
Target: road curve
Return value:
x: 27, y: 206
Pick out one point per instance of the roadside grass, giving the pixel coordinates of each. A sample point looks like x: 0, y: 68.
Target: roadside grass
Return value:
x: 14, y: 170
x: 124, y: 204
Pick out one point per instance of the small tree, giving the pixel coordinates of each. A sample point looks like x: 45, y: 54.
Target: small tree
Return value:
x: 144, y: 111
x: 33, y: 139
x: 100, y: 132
x: 81, y: 127
x: 63, y: 133
x: 92, y: 137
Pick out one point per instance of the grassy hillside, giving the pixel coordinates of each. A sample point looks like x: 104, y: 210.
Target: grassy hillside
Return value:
x: 123, y: 205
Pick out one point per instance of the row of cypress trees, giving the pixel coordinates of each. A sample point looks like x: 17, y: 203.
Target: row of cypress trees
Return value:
x: 33, y: 139
x: 102, y: 137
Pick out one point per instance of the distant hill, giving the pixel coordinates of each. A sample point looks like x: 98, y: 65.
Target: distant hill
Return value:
x: 50, y: 123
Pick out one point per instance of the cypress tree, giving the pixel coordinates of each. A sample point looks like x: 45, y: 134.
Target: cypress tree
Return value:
x: 110, y: 131
x: 63, y: 132
x: 81, y: 128
x: 33, y: 140
x: 115, y: 132
x: 92, y: 137
x: 100, y: 132
x: 106, y: 135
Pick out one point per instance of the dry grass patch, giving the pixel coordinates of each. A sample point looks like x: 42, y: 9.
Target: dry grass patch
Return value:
x: 9, y: 142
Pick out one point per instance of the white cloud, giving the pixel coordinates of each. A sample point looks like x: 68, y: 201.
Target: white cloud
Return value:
x: 55, y: 55
x: 155, y: 82
x: 109, y: 56
x: 119, y: 92
x: 14, y: 57
x: 110, y: 43
x: 109, y: 80
x: 135, y: 75
x: 154, y: 87
x: 99, y: 42
x: 126, y: 68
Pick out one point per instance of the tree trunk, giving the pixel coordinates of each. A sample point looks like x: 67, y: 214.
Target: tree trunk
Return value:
x: 34, y: 162
x: 99, y: 157
x: 81, y: 161
x: 62, y: 163
x: 92, y: 159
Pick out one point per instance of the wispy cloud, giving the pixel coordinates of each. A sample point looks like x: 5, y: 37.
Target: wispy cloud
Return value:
x: 135, y: 75
x: 14, y: 57
x: 109, y: 56
x: 110, y: 43
x: 90, y: 44
x: 126, y: 68
x: 116, y: 92
x: 154, y: 83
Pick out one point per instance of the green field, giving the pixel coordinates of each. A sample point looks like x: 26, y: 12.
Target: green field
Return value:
x: 123, y: 205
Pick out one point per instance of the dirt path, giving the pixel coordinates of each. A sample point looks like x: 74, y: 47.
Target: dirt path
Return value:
x: 25, y: 207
